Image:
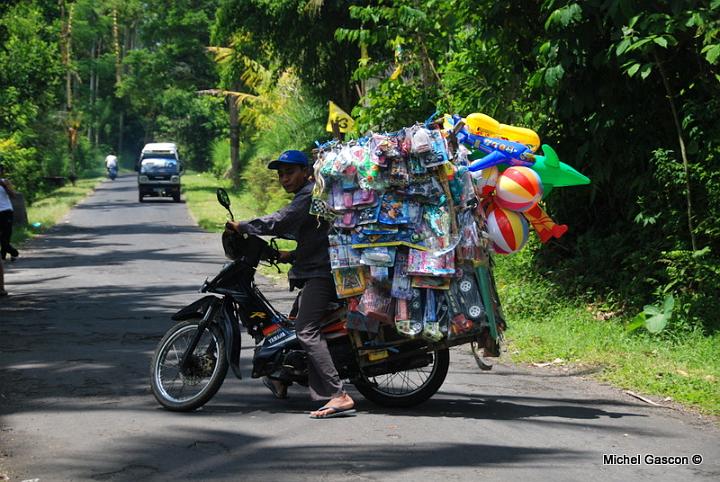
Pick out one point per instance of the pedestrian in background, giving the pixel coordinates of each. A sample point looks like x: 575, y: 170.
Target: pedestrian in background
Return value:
x: 6, y: 217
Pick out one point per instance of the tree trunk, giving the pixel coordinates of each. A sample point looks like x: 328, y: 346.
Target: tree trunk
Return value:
x: 683, y: 153
x: 91, y: 85
x: 121, y: 126
x: 116, y: 46
x: 118, y: 77
x: 234, y: 173
x: 66, y: 52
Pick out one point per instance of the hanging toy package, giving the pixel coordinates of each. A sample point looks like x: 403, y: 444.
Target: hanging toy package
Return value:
x: 409, y: 245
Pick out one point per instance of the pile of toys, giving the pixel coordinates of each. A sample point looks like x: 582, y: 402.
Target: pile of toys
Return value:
x: 415, y: 215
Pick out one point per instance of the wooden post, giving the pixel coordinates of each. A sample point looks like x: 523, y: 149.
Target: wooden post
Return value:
x: 336, y: 130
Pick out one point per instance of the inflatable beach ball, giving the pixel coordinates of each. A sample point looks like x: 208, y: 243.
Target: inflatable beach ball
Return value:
x: 518, y: 189
x: 485, y: 180
x: 507, y: 229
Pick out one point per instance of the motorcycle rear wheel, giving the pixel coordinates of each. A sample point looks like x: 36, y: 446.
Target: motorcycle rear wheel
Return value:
x: 406, y: 388
x: 183, y: 392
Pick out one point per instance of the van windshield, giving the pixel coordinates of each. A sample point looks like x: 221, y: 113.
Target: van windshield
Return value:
x: 158, y: 155
x: 159, y: 166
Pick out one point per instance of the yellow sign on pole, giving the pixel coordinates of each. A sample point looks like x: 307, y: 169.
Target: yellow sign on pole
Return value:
x: 343, y: 122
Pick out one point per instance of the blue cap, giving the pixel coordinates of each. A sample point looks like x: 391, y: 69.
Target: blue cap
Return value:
x: 289, y: 157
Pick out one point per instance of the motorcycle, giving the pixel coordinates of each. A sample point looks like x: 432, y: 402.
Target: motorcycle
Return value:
x: 112, y: 172
x: 191, y: 361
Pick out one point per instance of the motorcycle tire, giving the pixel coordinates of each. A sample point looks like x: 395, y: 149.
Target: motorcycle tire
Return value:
x: 382, y: 392
x: 212, y: 365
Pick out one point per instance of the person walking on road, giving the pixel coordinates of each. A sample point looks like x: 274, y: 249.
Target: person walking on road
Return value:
x: 6, y: 218
x: 311, y: 272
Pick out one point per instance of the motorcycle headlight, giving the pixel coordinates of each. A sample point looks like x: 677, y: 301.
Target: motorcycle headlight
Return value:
x: 143, y: 179
x: 175, y: 179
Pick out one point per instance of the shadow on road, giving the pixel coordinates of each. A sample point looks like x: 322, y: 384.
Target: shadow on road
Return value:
x: 205, y: 454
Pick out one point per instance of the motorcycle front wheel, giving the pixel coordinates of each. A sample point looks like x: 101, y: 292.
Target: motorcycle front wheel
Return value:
x: 185, y: 390
x: 406, y: 388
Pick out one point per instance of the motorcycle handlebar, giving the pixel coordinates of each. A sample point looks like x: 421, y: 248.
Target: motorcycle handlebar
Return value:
x: 250, y: 247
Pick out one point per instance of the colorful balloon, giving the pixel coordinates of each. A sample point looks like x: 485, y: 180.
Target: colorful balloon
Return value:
x: 508, y: 230
x: 518, y: 189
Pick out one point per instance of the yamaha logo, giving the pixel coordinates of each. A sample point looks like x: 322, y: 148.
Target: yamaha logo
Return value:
x: 279, y: 336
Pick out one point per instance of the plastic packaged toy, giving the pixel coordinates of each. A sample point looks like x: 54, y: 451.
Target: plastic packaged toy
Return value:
x: 423, y: 263
x: 376, y: 304
x: 349, y: 282
x: 401, y: 287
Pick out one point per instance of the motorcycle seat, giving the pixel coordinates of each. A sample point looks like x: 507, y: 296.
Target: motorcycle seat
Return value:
x: 334, y: 320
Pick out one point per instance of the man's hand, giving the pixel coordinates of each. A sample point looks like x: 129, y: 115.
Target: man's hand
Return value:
x: 286, y: 256
x: 233, y: 226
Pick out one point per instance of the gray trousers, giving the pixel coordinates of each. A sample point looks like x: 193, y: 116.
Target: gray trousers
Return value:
x: 323, y: 378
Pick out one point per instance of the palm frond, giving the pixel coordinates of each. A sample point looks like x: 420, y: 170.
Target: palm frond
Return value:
x: 239, y: 97
x: 312, y: 7
x: 222, y: 54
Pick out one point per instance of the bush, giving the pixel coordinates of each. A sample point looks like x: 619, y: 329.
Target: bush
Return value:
x: 22, y: 167
x: 220, y: 157
x: 695, y: 279
x: 263, y: 186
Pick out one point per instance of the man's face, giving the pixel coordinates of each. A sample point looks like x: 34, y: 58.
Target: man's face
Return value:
x: 292, y: 177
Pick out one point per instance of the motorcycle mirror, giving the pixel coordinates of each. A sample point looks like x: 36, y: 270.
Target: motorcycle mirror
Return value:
x: 224, y: 200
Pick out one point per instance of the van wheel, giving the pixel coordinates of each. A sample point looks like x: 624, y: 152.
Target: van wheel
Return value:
x: 140, y: 198
x: 176, y: 198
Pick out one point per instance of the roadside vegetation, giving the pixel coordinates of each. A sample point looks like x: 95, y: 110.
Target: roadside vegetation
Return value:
x: 548, y: 326
x: 52, y: 206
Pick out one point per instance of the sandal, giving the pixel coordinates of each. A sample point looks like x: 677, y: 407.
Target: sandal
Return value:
x: 335, y: 412
x: 281, y: 392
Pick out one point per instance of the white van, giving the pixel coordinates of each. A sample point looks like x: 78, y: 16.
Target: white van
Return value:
x: 159, y: 171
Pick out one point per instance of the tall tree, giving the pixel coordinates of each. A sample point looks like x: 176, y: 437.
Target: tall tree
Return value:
x: 301, y: 34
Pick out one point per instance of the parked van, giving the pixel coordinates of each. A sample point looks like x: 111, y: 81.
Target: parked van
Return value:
x: 159, y: 171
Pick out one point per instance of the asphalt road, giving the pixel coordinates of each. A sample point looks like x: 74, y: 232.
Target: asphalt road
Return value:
x: 90, y: 300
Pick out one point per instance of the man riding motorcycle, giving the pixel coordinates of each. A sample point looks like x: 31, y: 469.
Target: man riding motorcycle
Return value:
x: 310, y: 272
x: 111, y: 165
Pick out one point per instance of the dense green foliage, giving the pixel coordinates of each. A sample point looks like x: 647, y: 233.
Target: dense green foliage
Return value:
x: 79, y: 79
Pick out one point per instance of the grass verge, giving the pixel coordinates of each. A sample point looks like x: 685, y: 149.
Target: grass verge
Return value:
x: 50, y: 209
x: 544, y: 324
x: 199, y: 191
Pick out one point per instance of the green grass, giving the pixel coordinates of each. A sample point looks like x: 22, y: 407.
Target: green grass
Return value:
x: 50, y: 209
x: 199, y: 191
x: 545, y: 325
